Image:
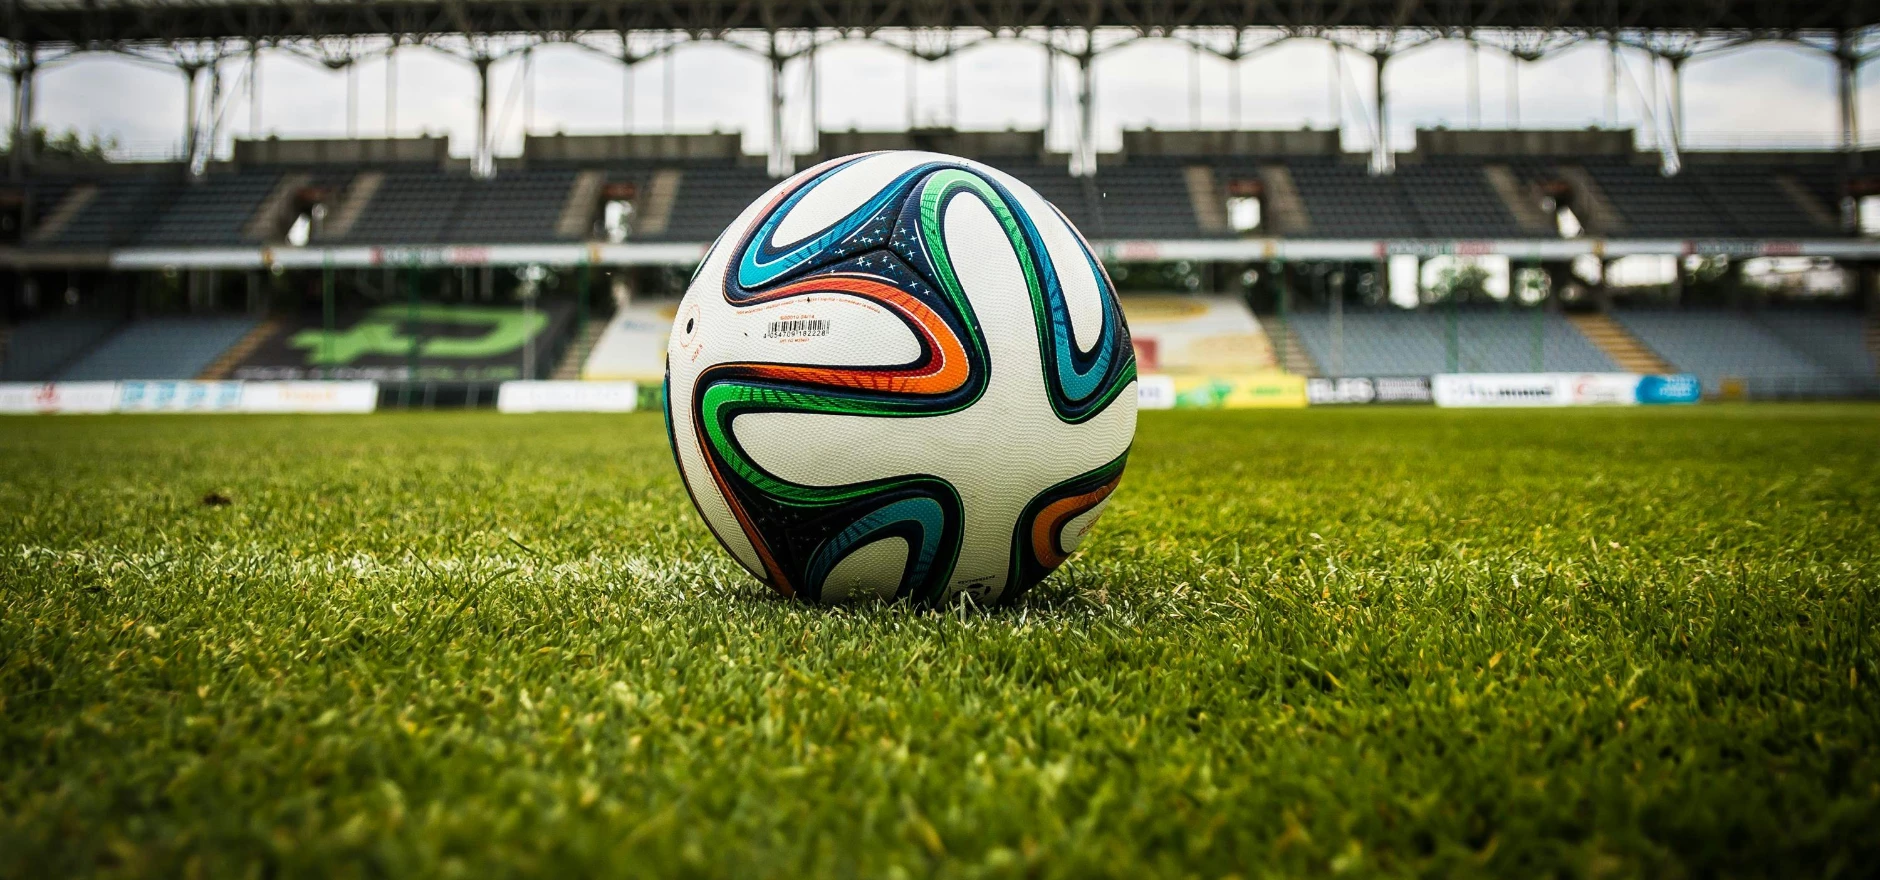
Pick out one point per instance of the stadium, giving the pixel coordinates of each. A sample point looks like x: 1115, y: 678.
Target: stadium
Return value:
x: 1514, y: 512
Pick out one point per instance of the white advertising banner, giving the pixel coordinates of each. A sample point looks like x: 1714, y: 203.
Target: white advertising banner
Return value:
x: 532, y: 397
x: 23, y: 398
x: 1536, y: 389
x: 1155, y: 392
x: 179, y: 396
x: 310, y: 397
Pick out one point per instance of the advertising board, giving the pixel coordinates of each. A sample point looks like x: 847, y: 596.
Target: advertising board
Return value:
x: 178, y: 396
x: 22, y: 398
x: 1155, y: 392
x: 182, y: 396
x: 431, y: 342
x: 1681, y: 388
x: 1242, y: 391
x: 1561, y: 389
x: 309, y: 397
x: 1228, y: 391
x: 578, y: 396
x: 1351, y: 390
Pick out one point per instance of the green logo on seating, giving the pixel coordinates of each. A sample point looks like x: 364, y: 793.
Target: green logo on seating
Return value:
x: 383, y: 332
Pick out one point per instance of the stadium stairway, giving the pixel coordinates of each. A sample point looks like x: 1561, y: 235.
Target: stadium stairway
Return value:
x: 584, y: 198
x: 61, y: 215
x: 1285, y: 209
x: 1205, y: 199
x: 574, y: 360
x: 276, y: 212
x: 1595, y: 212
x: 1287, y: 349
x: 1521, y: 204
x: 358, y: 195
x: 225, y: 363
x: 1619, y: 344
x: 656, y: 214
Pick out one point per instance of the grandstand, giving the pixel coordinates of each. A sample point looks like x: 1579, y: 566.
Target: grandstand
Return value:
x: 1765, y: 354
x: 257, y: 262
x: 283, y: 224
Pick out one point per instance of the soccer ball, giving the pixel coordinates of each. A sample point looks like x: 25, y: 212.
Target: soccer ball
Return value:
x: 900, y: 375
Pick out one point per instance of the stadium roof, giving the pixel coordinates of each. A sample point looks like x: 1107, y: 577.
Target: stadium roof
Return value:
x: 108, y: 22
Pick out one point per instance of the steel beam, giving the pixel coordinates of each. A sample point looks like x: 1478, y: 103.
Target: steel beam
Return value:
x: 113, y: 22
x: 191, y: 120
x: 781, y: 163
x: 1676, y: 110
x: 1084, y: 159
x: 20, y: 154
x: 391, y: 90
x: 1383, y: 161
x: 483, y: 159
x: 1050, y: 84
x: 1847, y: 90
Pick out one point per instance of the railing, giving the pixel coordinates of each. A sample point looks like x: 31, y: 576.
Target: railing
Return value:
x: 1403, y: 138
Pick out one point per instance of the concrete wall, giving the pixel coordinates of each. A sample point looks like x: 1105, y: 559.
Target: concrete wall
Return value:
x: 342, y: 151
x: 594, y: 148
x: 1300, y: 142
x: 1737, y: 157
x: 1567, y: 142
x: 938, y: 140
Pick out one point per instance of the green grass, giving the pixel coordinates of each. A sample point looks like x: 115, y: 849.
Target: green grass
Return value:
x: 1399, y: 642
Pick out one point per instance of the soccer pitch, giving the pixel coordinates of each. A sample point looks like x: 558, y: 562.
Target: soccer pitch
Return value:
x: 1383, y: 641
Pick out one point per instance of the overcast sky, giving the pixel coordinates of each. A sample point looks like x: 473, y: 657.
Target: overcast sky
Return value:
x: 1761, y: 95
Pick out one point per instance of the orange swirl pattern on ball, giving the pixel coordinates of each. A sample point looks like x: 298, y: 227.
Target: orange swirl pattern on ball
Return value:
x: 945, y: 369
x: 1050, y: 522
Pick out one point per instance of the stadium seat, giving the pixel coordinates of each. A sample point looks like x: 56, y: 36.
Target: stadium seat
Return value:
x: 435, y: 207
x: 1832, y: 337
x: 159, y: 348
x: 121, y: 212
x: 211, y: 212
x: 1717, y: 345
x: 1144, y: 200
x: 710, y: 196
x: 1453, y: 200
x: 1416, y: 343
x: 1345, y: 201
x: 37, y: 349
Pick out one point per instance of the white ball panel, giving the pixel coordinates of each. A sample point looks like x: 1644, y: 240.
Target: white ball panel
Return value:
x: 823, y: 329
x: 1083, y: 297
x: 871, y: 570
x: 841, y: 194
x: 1079, y: 527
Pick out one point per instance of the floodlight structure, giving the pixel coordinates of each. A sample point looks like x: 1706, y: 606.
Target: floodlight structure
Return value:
x: 196, y: 36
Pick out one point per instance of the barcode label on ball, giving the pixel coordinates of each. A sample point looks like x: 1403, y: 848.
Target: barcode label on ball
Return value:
x: 796, y: 328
